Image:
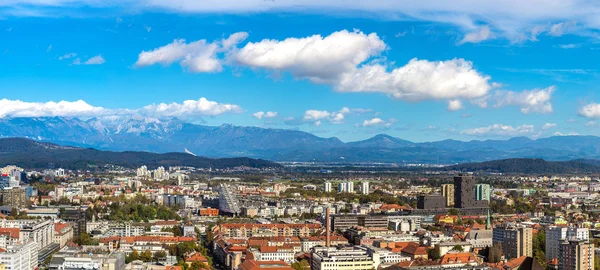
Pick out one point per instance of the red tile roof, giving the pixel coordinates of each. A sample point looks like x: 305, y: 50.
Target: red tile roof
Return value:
x: 196, y: 257
x: 12, y: 232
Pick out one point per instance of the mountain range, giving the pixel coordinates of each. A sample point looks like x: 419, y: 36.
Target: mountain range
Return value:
x: 173, y: 135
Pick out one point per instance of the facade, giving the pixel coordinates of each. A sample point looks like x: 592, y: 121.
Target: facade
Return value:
x: 343, y: 222
x: 76, y: 218
x: 431, y: 202
x: 62, y: 233
x: 351, y: 259
x: 14, y: 197
x: 576, y: 255
x: 555, y: 236
x: 248, y: 230
x: 516, y: 241
x: 20, y: 257
x: 327, y: 187
x: 464, y: 193
x: 483, y: 192
x: 364, y: 188
x: 448, y: 193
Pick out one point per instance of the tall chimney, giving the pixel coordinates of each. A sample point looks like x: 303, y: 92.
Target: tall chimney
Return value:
x: 327, y: 230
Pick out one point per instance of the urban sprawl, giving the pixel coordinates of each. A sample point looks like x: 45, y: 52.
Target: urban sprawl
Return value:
x: 114, y: 218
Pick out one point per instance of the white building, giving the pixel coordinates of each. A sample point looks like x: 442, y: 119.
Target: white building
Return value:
x: 350, y: 259
x: 327, y: 187
x: 20, y: 257
x: 350, y: 186
x: 555, y: 235
x: 364, y: 187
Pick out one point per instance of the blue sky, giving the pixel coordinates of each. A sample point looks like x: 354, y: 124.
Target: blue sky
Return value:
x: 478, y: 72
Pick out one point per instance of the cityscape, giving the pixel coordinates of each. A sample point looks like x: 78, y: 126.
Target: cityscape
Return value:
x: 299, y: 135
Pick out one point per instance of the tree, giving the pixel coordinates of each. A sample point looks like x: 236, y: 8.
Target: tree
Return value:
x: 453, y: 211
x: 434, y: 253
x: 132, y: 257
x: 301, y: 265
x: 146, y: 256
x: 458, y: 248
x: 159, y: 255
x: 495, y: 253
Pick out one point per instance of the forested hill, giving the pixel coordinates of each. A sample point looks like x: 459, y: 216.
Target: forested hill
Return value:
x: 32, y: 154
x: 529, y: 165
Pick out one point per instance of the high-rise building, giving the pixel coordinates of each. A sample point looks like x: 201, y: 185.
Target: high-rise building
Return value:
x: 14, y: 197
x: 464, y: 193
x: 448, y: 193
x: 516, y: 241
x: 342, y: 187
x: 350, y: 186
x: 364, y: 187
x: 555, y: 236
x: 327, y: 187
x: 483, y: 192
x: 576, y: 255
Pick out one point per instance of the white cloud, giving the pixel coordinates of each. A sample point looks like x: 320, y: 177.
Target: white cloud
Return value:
x: 49, y: 48
x: 562, y: 28
x: 536, y: 100
x: 512, y: 19
x: 499, y: 130
x: 568, y: 134
x: 17, y: 108
x: 569, y: 46
x: 148, y: 28
x: 261, y: 114
x: 67, y: 56
x: 233, y: 40
x: 373, y: 122
x: 317, y: 58
x: 96, y: 60
x: 189, y: 108
x: 400, y: 34
x: 197, y: 56
x: 482, y: 34
x: 548, y: 126
x: 336, y: 117
x: 418, y: 80
x: 186, y: 110
x: 591, y: 110
x: 590, y: 123
x: 347, y: 61
x: 454, y: 105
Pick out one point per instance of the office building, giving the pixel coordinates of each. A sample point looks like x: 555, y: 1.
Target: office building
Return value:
x: 346, y: 187
x: 431, y: 202
x: 327, y: 187
x: 483, y: 192
x: 350, y: 186
x: 76, y: 218
x: 516, y: 241
x: 351, y: 259
x: 343, y: 222
x: 576, y: 255
x: 14, y: 197
x: 448, y: 193
x: 19, y: 257
x: 464, y: 193
x: 556, y: 234
x: 364, y: 188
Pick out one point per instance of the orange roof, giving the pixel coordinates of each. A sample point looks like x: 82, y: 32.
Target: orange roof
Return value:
x: 516, y: 262
x: 269, y: 249
x: 415, y: 249
x: 196, y: 257
x: 146, y: 238
x: 12, y: 232
x: 173, y: 267
x: 258, y: 265
x: 417, y: 262
x: 58, y: 227
x: 553, y: 261
x: 269, y: 226
x: 454, y: 258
